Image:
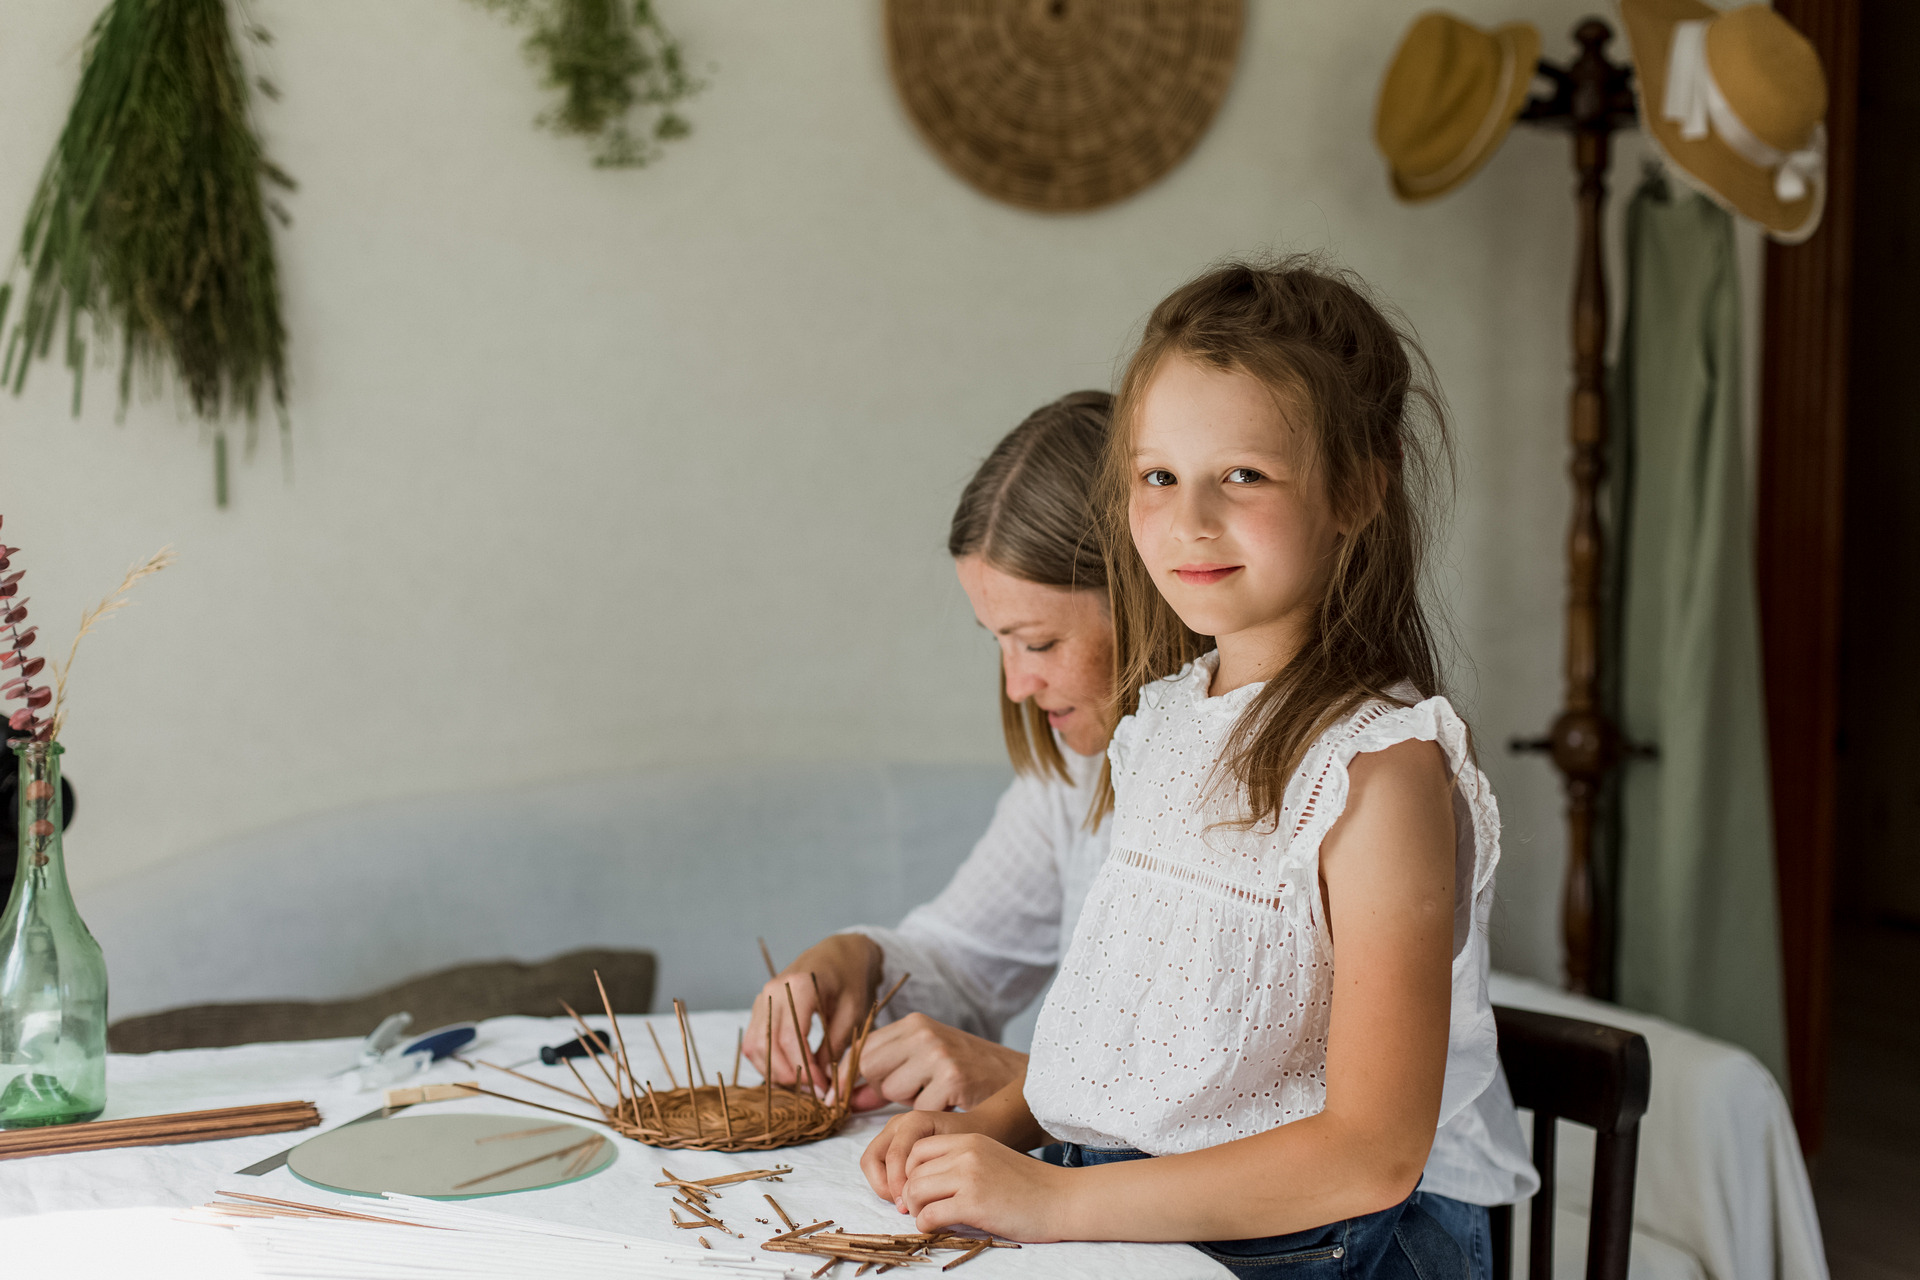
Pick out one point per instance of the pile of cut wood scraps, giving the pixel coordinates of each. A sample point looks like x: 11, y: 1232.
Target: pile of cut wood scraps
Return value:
x: 875, y: 1251
x: 399, y: 1237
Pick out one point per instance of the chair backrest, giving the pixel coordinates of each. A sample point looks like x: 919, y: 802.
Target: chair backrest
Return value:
x: 1591, y: 1074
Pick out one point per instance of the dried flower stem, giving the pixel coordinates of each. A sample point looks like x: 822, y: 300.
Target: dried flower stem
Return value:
x: 94, y: 617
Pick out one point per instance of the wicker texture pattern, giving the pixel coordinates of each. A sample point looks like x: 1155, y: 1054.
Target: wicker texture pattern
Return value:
x: 1062, y: 105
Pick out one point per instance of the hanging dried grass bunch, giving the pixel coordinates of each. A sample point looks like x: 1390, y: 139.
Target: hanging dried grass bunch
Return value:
x: 151, y: 218
x: 620, y: 74
x: 701, y: 1116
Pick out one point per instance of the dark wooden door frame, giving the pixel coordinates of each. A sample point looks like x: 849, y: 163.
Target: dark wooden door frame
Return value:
x: 1799, y: 523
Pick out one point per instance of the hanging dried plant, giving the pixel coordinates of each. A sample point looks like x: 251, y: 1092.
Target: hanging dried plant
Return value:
x: 619, y: 72
x: 151, y: 219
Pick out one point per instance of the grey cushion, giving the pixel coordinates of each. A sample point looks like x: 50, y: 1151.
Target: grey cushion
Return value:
x: 465, y: 993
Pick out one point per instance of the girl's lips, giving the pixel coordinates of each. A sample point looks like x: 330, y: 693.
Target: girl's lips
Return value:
x: 1055, y: 717
x: 1201, y: 575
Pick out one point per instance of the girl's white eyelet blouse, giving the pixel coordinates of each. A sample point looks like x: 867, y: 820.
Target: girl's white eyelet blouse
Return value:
x: 1191, y: 1007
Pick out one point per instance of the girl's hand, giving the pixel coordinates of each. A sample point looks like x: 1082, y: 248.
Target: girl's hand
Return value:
x: 885, y: 1159
x: 931, y: 1066
x: 847, y: 968
x: 956, y: 1179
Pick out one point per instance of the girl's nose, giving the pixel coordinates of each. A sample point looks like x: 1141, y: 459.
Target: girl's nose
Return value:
x: 1196, y: 515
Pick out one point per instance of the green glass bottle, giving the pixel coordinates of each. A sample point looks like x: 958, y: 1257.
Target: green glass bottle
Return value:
x: 53, y: 979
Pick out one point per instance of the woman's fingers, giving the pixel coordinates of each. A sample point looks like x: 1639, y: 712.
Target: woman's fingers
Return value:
x: 933, y: 1067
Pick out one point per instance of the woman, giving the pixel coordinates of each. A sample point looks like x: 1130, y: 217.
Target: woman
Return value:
x: 1025, y: 550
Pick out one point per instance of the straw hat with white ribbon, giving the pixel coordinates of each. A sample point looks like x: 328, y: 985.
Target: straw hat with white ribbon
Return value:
x: 1737, y: 101
x: 1448, y: 99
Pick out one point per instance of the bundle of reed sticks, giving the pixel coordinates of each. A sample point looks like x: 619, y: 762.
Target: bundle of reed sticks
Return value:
x: 709, y: 1117
x: 875, y: 1249
x: 155, y: 1131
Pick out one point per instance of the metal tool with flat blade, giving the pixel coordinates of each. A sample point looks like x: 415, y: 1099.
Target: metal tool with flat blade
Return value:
x: 275, y: 1161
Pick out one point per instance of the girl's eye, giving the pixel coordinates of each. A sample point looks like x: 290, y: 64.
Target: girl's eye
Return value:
x: 1244, y: 475
x: 1041, y: 648
x: 1159, y: 479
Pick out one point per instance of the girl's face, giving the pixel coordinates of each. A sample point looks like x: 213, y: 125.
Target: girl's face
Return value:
x: 1056, y: 647
x: 1229, y: 514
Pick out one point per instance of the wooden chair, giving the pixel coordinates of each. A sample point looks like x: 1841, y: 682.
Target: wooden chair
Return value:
x: 1595, y: 1075
x: 465, y: 993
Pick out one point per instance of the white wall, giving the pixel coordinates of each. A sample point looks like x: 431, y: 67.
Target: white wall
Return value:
x: 594, y: 470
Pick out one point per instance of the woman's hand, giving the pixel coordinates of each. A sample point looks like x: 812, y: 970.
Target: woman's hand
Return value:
x: 931, y: 1066
x: 846, y: 969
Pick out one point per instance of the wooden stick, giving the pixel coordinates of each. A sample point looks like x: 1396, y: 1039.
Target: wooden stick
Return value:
x: 539, y: 1106
x: 591, y: 1039
x: 604, y: 1110
x: 791, y: 1224
x: 319, y: 1210
x: 751, y: 1175
x: 501, y: 1173
x: 726, y: 1110
x: 519, y: 1133
x: 672, y: 1080
x: 826, y: 1032
x: 655, y: 1103
x: 694, y: 1042
x: 543, y: 1084
x: 619, y: 1036
x: 769, y: 1078
x: 892, y: 991
x: 799, y: 1041
x: 739, y: 1043
x: 693, y: 1090
x: 968, y: 1256
x: 768, y: 957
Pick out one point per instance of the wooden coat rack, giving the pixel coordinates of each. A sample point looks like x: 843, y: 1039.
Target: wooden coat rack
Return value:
x: 1592, y: 97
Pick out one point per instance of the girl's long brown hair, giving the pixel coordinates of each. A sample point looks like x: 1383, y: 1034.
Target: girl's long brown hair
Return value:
x: 1358, y: 384
x: 1029, y: 512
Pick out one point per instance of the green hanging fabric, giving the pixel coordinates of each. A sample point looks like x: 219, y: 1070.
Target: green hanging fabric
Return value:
x: 1699, y: 933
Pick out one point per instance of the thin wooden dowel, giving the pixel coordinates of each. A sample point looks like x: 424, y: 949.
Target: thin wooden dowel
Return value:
x: 686, y: 1049
x: 791, y: 1224
x: 799, y: 1042
x: 618, y: 1036
x: 726, y: 1111
x: 314, y: 1210
x: 673, y: 1081
x: 739, y: 1044
x: 769, y: 1078
x: 591, y: 1040
x: 655, y: 1104
x: 604, y: 1110
x: 542, y: 1083
x: 538, y: 1106
x: 826, y: 1032
x: 514, y: 1168
x: 767, y: 956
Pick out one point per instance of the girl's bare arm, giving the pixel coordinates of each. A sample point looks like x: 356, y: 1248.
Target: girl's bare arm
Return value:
x: 1388, y: 869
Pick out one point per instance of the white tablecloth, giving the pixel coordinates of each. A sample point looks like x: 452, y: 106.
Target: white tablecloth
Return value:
x: 111, y: 1213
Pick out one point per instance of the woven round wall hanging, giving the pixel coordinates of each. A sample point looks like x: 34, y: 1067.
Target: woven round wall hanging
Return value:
x: 1062, y: 104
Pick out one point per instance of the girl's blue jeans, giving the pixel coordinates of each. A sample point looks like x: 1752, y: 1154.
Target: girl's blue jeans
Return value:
x: 1425, y: 1237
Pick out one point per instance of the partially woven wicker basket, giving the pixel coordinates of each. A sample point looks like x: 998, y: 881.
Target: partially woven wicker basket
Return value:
x: 1062, y: 105
x: 709, y: 1117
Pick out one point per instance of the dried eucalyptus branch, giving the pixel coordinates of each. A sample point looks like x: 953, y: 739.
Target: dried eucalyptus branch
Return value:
x: 151, y: 217
x: 613, y: 61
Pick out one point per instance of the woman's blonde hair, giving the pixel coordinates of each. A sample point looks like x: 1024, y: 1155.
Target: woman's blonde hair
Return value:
x: 1355, y: 380
x: 1028, y: 512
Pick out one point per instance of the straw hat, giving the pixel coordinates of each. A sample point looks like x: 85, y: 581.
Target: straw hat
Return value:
x: 1737, y: 102
x: 1449, y: 98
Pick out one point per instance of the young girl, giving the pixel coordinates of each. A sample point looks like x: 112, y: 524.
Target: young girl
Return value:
x: 1301, y: 785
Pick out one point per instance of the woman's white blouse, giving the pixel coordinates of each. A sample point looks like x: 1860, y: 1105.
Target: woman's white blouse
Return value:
x: 1192, y: 1005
